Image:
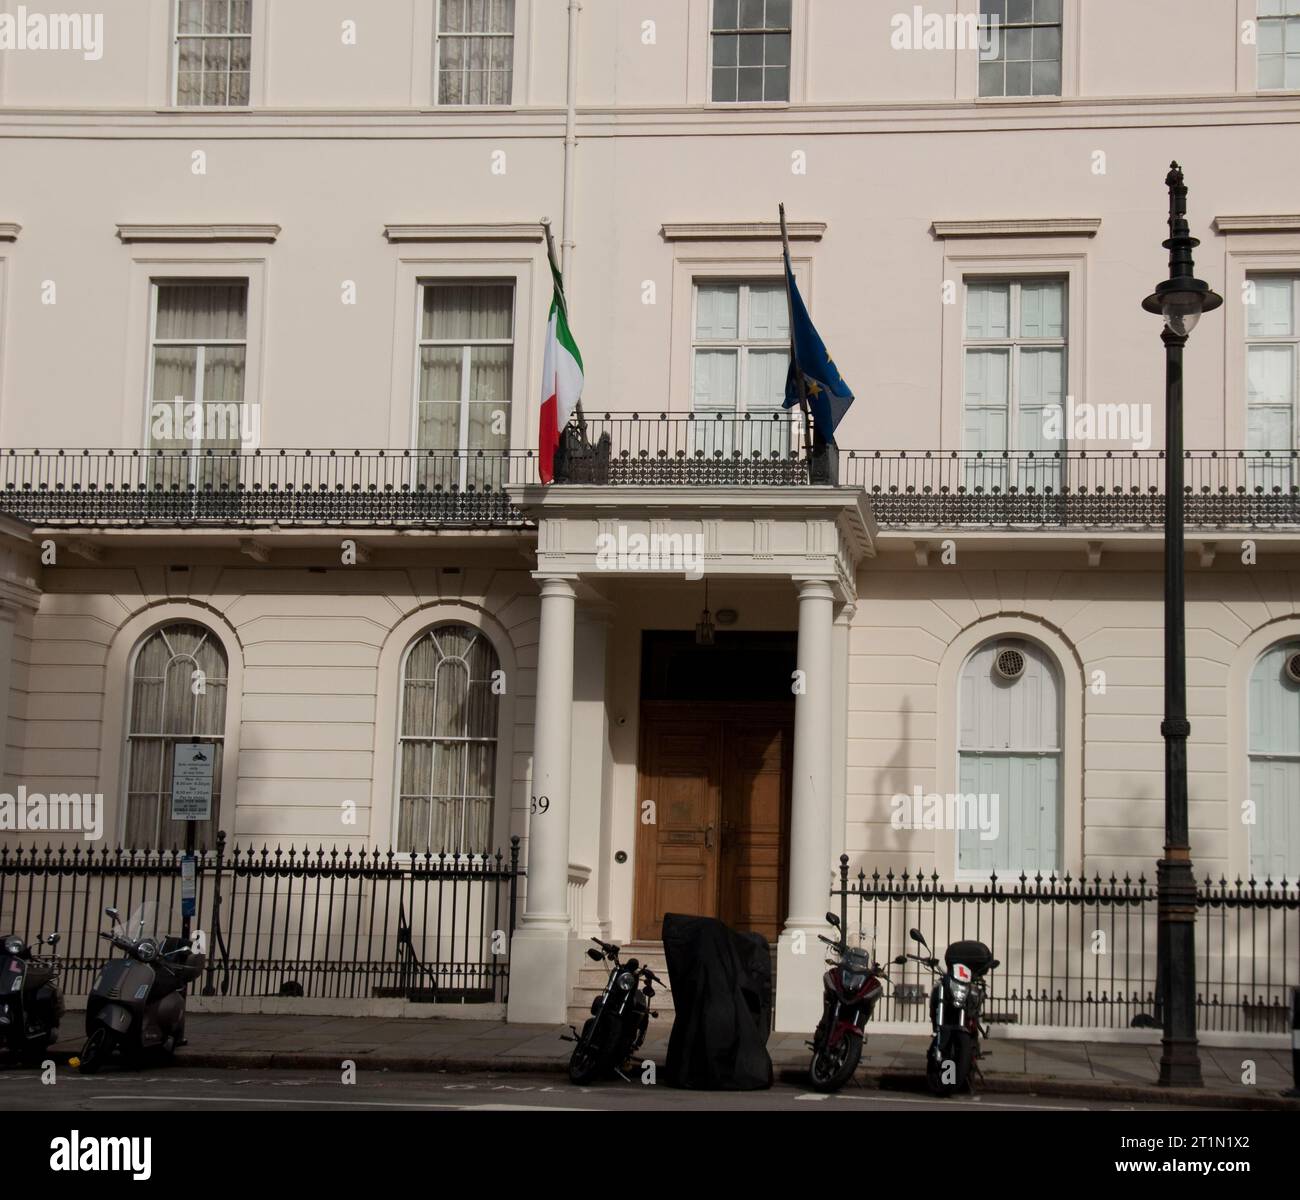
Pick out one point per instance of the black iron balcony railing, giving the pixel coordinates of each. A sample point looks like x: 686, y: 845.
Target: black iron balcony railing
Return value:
x: 1083, y: 489
x: 921, y: 490
x: 329, y: 488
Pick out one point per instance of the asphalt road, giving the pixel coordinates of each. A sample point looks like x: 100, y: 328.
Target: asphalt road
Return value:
x: 206, y: 1089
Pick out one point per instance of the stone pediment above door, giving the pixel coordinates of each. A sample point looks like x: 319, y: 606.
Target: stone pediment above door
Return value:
x: 777, y: 532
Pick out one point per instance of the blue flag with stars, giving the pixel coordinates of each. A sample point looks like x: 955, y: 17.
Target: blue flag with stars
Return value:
x: 829, y: 397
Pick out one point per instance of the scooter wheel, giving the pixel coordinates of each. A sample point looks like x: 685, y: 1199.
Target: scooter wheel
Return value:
x: 94, y: 1053
x: 832, y: 1069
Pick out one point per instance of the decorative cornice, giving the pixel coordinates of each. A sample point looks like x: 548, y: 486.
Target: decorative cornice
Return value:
x: 742, y: 231
x: 1019, y: 227
x: 9, y: 231
x: 527, y: 231
x: 198, y: 233
x: 1271, y: 223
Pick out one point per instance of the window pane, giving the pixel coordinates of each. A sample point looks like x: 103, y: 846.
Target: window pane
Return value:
x: 724, y: 84
x: 202, y: 312
x: 1272, y: 71
x: 189, y: 18
x: 769, y: 312
x: 1047, y: 79
x: 1042, y: 309
x: 216, y: 16
x: 717, y: 312
x: 1020, y: 10
x: 751, y: 14
x: 724, y: 14
x: 765, y: 385
x: 1047, y: 10
x: 751, y: 49
x: 992, y: 79
x: 1271, y: 375
x: 1019, y: 42
x: 1272, y: 313
x: 715, y: 380
x: 467, y: 312
x: 749, y: 83
x: 726, y: 50
x: 987, y: 378
x: 1019, y: 79
x: 988, y: 310
x: 778, y: 14
x: 777, y: 51
x: 776, y: 85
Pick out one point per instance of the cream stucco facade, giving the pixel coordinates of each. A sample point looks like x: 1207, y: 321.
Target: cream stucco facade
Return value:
x: 343, y: 190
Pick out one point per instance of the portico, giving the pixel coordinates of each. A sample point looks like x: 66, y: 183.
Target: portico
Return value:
x: 794, y: 550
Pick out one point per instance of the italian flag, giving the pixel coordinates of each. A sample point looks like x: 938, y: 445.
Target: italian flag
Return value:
x: 561, y: 379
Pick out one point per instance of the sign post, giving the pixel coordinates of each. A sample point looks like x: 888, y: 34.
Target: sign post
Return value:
x: 191, y: 802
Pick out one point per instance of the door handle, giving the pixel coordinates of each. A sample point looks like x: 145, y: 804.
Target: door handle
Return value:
x: 708, y: 837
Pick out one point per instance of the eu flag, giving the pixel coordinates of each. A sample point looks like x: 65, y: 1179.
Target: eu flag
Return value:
x: 828, y: 395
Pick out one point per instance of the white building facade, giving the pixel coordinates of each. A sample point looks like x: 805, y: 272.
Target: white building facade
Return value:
x: 273, y: 293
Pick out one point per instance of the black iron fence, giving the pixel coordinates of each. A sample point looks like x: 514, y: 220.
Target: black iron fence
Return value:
x: 1239, y: 489
x: 1082, y: 953
x: 325, y: 923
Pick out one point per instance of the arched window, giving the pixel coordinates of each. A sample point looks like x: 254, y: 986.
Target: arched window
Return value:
x: 1274, y: 750
x: 448, y: 743
x: 178, y: 695
x: 1010, y: 760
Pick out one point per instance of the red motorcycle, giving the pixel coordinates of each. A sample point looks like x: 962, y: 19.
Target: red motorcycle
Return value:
x: 852, y: 988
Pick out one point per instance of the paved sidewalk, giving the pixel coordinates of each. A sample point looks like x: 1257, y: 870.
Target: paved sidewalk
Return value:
x: 1078, y: 1069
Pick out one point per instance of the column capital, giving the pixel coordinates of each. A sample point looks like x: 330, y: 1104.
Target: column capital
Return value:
x: 847, y: 612
x: 815, y: 589
x: 557, y: 585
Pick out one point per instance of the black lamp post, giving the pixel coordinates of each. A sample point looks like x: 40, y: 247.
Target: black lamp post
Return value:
x: 1181, y: 299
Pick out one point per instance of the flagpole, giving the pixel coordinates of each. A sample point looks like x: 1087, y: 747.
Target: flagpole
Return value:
x: 564, y: 300
x: 794, y: 355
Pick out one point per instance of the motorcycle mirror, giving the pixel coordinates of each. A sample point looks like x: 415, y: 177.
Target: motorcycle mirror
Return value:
x: 915, y: 935
x: 833, y: 919
x: 595, y: 955
x: 997, y: 962
x: 53, y: 939
x: 901, y: 960
x: 112, y: 912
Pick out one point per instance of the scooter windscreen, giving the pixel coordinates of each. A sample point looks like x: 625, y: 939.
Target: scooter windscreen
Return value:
x: 143, y: 923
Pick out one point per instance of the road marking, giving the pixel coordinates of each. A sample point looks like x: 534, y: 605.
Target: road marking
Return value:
x: 813, y: 1096
x: 885, y: 1096
x: 295, y: 1102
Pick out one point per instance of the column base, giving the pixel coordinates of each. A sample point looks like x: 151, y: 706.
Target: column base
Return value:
x: 799, y: 980
x: 541, y: 976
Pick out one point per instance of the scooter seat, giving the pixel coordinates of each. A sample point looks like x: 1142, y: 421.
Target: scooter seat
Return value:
x: 975, y: 955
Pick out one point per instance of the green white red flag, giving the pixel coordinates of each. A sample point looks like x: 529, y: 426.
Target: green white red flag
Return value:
x: 562, y: 378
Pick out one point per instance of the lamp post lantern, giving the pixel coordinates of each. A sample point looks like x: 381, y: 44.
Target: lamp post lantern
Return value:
x: 1180, y: 300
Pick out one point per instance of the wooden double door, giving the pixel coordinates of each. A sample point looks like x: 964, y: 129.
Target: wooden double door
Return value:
x: 713, y: 815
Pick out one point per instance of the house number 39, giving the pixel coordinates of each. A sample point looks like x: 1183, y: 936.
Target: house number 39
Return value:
x: 539, y: 804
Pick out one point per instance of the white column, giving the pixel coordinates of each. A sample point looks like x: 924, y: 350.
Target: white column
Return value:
x: 8, y: 616
x: 539, y: 952
x: 800, y: 957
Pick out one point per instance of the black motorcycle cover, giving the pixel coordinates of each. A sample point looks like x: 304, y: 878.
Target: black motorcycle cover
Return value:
x: 722, y: 994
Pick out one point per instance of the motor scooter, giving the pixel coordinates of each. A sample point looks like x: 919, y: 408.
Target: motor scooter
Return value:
x: 137, y: 1002
x: 31, y: 1004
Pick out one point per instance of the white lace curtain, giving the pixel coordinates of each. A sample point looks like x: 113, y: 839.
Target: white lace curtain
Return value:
x: 171, y: 704
x: 448, y: 743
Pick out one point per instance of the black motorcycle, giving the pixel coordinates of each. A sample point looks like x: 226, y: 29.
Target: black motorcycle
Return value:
x: 31, y: 1004
x: 956, y: 1004
x: 137, y: 1002
x: 851, y: 989
x: 620, y: 1016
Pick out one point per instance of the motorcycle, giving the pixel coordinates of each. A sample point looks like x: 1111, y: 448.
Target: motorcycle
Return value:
x: 31, y: 1004
x: 137, y: 1002
x: 852, y: 989
x: 956, y: 1004
x: 620, y: 1016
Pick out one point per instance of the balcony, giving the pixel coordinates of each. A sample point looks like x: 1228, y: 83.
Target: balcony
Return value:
x: 396, y: 489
